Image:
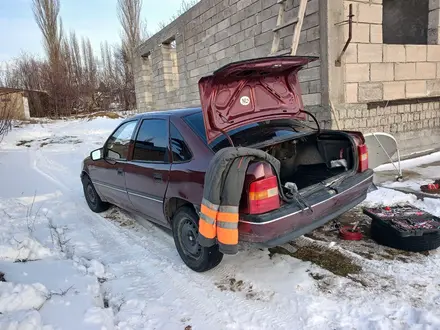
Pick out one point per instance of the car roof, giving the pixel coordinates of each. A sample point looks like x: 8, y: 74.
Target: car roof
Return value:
x: 166, y: 113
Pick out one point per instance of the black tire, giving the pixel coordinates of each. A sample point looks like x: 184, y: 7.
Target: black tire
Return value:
x: 93, y: 200
x: 185, y: 232
x: 385, y: 235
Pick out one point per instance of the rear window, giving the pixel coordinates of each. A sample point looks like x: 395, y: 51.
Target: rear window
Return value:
x: 251, y: 134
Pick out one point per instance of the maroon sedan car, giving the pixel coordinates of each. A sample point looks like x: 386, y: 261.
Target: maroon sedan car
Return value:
x: 154, y: 163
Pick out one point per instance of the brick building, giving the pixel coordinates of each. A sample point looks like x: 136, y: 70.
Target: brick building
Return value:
x: 387, y: 80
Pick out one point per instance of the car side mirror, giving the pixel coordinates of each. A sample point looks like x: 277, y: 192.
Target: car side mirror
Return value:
x: 96, y: 154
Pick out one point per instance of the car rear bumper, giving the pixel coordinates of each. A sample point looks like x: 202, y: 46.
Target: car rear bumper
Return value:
x: 290, y: 222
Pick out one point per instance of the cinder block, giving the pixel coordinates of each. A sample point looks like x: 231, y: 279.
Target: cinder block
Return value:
x: 434, y: 36
x: 370, y: 92
x: 433, y: 87
x: 236, y: 38
x: 252, y: 31
x: 315, y: 86
x: 426, y: 70
x: 416, y: 53
x: 220, y: 54
x: 369, y: 53
x: 246, y: 44
x: 376, y: 35
x: 312, y: 99
x: 309, y: 74
x: 313, y: 33
x: 310, y: 21
x: 382, y: 71
x: 357, y: 72
x: 351, y: 54
x: 267, y: 13
x: 312, y: 7
x: 351, y: 93
x: 249, y: 22
x: 361, y: 32
x: 394, y: 90
x: 312, y: 48
x: 369, y: 13
x: 415, y: 88
x: 191, y: 58
x: 226, y: 23
x: 220, y: 36
x: 405, y: 71
x: 241, y: 4
x: 304, y: 87
x: 434, y: 53
x: 394, y: 53
x: 264, y: 38
x: 434, y: 17
x: 268, y: 24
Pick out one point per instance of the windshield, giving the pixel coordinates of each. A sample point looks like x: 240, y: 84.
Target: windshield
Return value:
x: 252, y: 134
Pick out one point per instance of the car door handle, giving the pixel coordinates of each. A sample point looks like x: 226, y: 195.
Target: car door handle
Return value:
x: 120, y: 171
x: 157, y: 177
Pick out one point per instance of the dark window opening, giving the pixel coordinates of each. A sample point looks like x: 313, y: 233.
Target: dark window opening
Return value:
x: 405, y: 22
x: 151, y: 143
x: 179, y: 149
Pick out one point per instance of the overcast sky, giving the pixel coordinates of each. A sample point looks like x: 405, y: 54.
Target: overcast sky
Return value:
x: 96, y: 19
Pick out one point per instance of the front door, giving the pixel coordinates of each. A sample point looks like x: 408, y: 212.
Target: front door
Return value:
x: 146, y: 173
x: 108, y: 176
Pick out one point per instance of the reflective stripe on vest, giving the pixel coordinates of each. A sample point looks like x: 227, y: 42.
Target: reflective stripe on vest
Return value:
x: 227, y: 225
x: 207, y: 226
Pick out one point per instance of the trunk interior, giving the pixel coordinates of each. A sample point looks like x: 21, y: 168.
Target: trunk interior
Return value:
x: 312, y: 159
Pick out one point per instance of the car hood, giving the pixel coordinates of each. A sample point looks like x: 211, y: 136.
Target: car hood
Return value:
x: 251, y: 91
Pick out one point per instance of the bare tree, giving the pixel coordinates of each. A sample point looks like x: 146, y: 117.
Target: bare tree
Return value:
x: 129, y: 17
x: 8, y: 104
x: 46, y: 14
x: 185, y: 5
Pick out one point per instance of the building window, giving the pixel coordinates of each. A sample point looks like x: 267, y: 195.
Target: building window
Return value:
x: 405, y: 22
x: 170, y: 69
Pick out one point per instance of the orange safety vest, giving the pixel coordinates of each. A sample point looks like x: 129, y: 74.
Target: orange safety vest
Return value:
x: 224, y: 180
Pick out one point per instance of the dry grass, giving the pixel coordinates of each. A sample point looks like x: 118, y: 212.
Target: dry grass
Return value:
x: 332, y: 260
x: 105, y: 114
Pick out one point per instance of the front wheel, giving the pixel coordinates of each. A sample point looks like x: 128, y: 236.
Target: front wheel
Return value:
x: 185, y: 233
x: 93, y: 200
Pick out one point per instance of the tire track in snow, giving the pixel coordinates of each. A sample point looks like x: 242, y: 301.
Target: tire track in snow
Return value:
x: 258, y: 313
x: 146, y: 269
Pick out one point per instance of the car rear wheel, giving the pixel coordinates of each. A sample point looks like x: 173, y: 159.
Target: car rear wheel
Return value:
x: 93, y: 200
x: 185, y: 233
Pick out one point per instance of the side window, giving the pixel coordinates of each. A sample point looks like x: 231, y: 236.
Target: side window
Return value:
x: 179, y: 148
x: 118, y: 143
x: 151, y: 143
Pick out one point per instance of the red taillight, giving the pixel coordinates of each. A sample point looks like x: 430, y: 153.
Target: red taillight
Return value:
x: 263, y: 195
x: 363, y: 158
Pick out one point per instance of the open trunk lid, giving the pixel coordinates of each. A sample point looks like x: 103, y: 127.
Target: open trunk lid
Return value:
x: 251, y: 91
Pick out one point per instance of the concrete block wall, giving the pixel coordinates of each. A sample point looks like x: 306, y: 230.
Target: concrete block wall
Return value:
x: 375, y: 71
x: 214, y: 33
x: 390, y: 88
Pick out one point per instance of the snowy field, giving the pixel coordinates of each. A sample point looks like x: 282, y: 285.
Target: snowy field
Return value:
x: 68, y: 268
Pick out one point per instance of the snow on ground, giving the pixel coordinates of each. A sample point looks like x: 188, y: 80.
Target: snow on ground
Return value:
x: 68, y: 268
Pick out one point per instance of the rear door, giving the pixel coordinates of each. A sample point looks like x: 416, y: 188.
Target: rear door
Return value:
x: 147, y: 172
x: 108, y: 174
